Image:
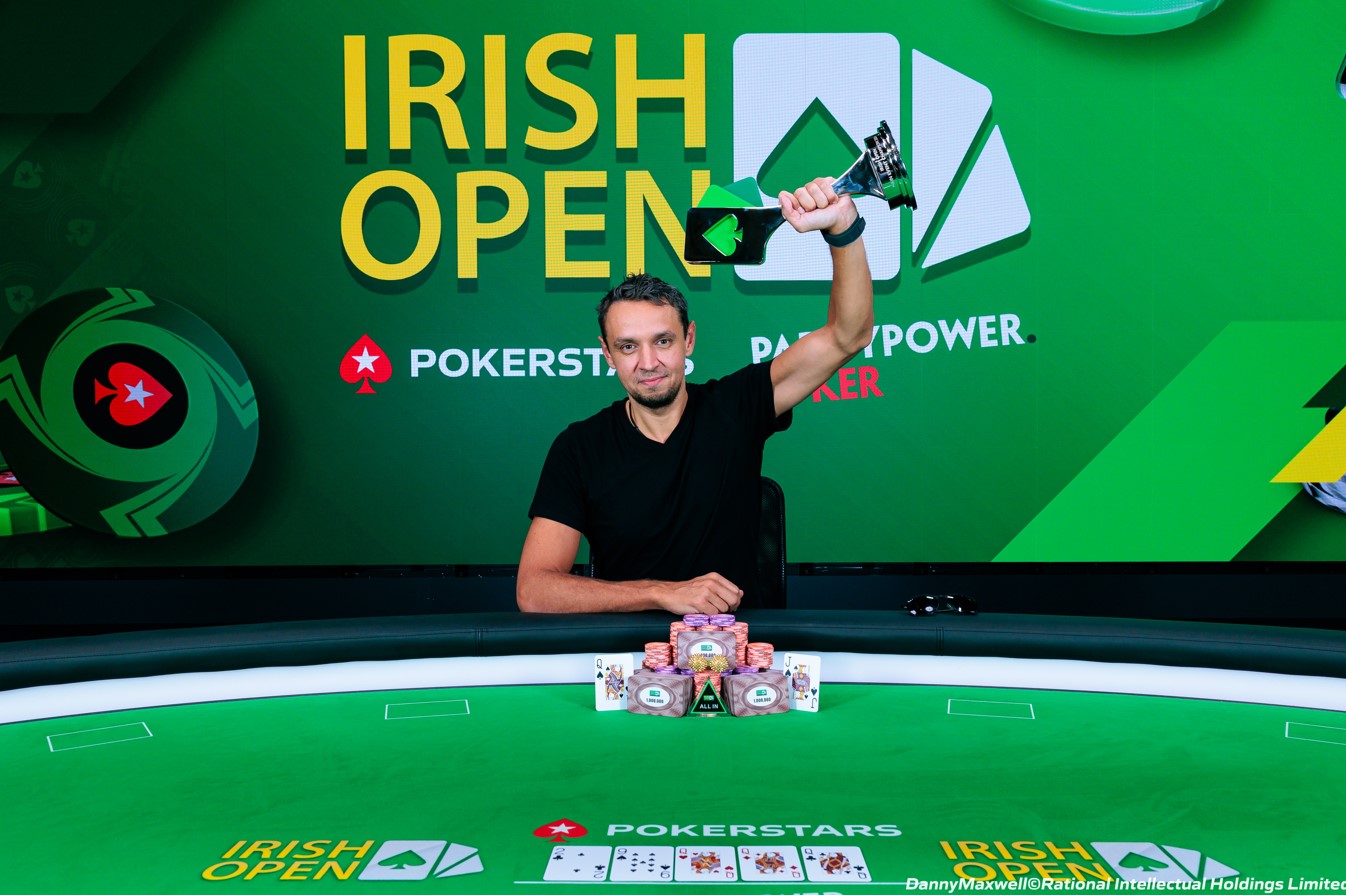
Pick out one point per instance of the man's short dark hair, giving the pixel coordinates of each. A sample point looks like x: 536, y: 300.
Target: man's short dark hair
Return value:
x: 642, y: 287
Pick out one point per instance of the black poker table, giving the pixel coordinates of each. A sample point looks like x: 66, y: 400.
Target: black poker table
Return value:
x: 464, y: 752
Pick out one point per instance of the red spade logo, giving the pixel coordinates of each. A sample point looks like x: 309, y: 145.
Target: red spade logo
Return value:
x: 560, y: 830
x: 366, y: 360
x: 136, y: 395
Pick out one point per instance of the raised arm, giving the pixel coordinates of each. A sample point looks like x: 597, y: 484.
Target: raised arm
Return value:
x: 811, y: 361
x: 546, y: 585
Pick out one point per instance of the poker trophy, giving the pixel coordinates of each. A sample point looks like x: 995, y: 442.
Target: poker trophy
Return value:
x: 728, y: 227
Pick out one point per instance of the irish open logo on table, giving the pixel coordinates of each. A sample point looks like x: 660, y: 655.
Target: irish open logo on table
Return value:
x: 315, y: 859
x: 979, y: 861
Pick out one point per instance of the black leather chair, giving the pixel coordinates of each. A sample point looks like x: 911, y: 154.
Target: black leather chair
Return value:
x: 770, y: 547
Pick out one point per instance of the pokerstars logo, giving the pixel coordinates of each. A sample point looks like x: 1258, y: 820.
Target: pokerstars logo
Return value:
x: 364, y: 362
x: 130, y: 396
x: 967, y: 193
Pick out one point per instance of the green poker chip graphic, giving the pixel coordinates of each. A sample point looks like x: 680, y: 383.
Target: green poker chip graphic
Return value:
x: 1117, y: 16
x: 124, y: 413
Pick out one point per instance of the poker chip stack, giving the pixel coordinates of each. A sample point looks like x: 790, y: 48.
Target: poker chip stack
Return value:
x: 673, y: 631
x: 740, y: 630
x: 760, y: 655
x: 658, y: 655
x: 709, y: 656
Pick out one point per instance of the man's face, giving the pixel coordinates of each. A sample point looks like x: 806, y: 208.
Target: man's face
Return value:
x: 646, y: 347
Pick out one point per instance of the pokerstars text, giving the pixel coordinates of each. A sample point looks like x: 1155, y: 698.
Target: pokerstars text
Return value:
x: 766, y: 830
x: 479, y: 191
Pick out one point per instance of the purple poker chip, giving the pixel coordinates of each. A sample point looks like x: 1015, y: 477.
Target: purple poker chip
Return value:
x: 695, y: 620
x: 666, y: 669
x: 722, y: 621
x: 686, y: 671
x: 745, y: 669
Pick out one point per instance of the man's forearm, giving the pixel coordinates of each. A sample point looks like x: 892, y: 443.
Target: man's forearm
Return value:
x: 552, y: 591
x: 850, y: 312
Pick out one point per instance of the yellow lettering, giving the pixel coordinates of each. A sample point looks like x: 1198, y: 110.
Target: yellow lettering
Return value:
x: 494, y: 79
x: 402, y: 95
x: 973, y: 849
x: 541, y: 77
x: 1011, y: 869
x: 1097, y: 871
x: 265, y: 867
x: 356, y: 101
x: 298, y: 867
x: 213, y: 872
x: 237, y: 845
x: 336, y: 870
x: 344, y: 845
x: 691, y: 87
x: 261, y: 848
x: 558, y: 223
x: 316, y: 848
x: 948, y: 849
x: 964, y: 870
x: 641, y: 193
x: 1048, y: 869
x: 1059, y: 853
x: 353, y: 226
x: 1028, y: 851
x: 470, y: 229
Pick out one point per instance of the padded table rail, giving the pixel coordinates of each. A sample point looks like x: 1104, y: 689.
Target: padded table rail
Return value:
x: 125, y: 655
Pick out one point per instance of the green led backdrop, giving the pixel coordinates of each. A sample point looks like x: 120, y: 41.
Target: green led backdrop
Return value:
x: 1117, y: 316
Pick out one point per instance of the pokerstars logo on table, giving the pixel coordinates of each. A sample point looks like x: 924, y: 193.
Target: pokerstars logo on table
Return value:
x: 826, y: 853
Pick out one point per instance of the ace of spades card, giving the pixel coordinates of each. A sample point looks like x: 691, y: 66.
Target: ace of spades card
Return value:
x: 641, y: 863
x: 610, y: 675
x: 705, y: 864
x: 584, y: 863
x: 805, y: 675
x: 835, y: 864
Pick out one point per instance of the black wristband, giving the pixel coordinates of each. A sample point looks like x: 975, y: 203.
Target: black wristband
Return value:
x: 847, y: 236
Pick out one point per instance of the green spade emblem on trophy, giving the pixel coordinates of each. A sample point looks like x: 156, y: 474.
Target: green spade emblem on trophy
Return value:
x: 725, y: 235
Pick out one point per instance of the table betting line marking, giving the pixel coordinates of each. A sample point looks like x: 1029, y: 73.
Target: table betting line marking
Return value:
x: 1032, y: 715
x: 74, y: 733
x: 1341, y: 741
x: 387, y: 708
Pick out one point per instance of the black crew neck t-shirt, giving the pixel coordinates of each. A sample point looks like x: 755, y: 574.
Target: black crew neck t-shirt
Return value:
x: 676, y: 510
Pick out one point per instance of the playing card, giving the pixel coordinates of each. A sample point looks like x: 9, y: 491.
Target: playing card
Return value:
x: 458, y: 860
x: 586, y: 863
x: 404, y: 859
x: 769, y: 863
x: 805, y: 675
x: 642, y: 863
x: 610, y: 673
x: 705, y: 864
x: 835, y: 864
x: 1151, y: 861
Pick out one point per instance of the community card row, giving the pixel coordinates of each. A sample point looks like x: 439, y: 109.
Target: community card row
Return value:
x: 704, y: 863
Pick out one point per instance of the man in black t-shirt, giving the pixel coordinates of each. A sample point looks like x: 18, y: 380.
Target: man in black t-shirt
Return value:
x: 665, y: 483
